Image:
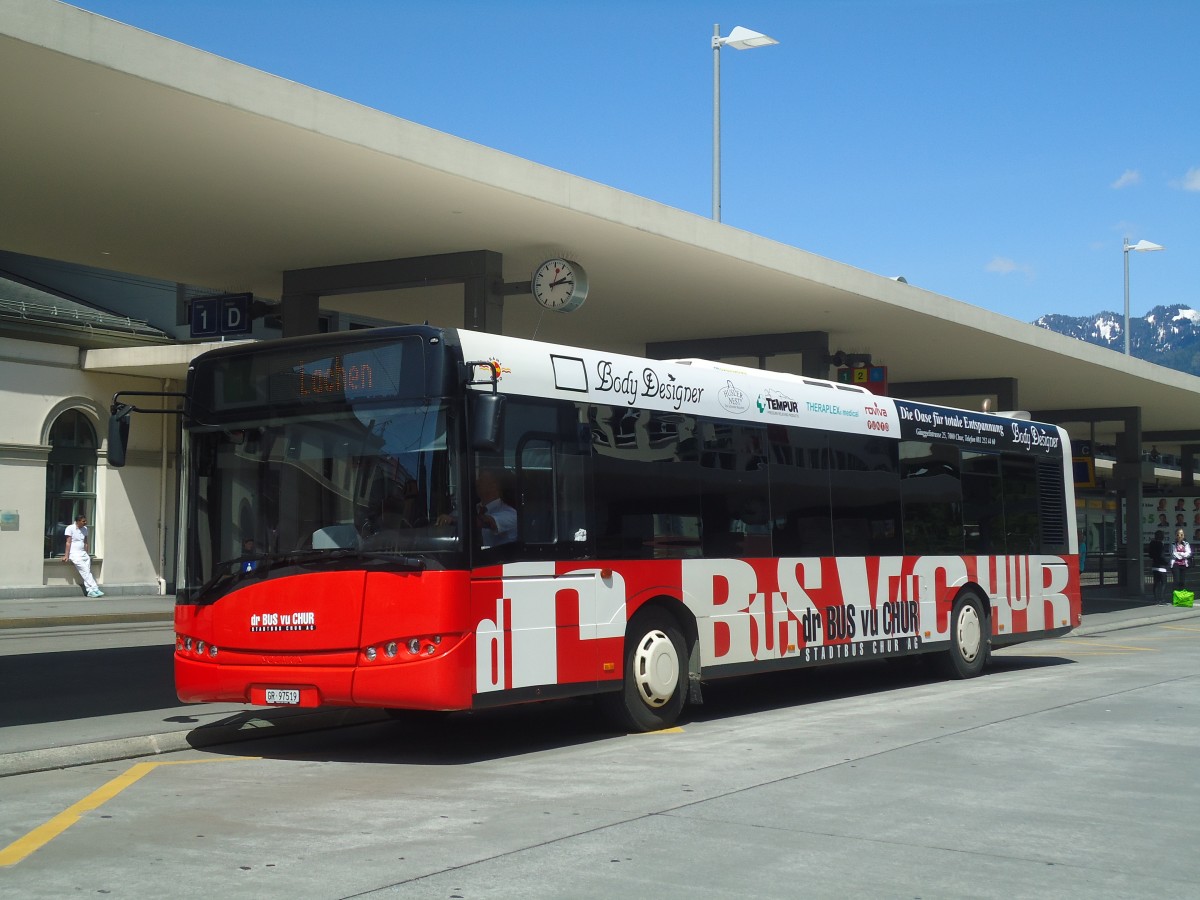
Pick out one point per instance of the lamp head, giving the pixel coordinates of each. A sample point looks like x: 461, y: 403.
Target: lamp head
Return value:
x: 1144, y: 246
x: 745, y: 39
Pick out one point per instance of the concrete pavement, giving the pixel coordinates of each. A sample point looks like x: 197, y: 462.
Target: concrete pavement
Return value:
x: 79, y: 741
x: 55, y: 611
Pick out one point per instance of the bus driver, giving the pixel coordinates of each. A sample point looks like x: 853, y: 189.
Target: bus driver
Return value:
x: 496, y: 520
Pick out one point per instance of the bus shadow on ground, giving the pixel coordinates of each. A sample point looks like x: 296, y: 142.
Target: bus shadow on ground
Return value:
x: 58, y: 687
x: 798, y: 688
x: 406, y: 737
x: 463, y: 738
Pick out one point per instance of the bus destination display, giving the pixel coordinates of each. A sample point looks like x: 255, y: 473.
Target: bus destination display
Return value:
x: 306, y: 377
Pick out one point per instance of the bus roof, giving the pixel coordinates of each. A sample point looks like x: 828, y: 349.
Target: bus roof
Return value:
x: 722, y: 391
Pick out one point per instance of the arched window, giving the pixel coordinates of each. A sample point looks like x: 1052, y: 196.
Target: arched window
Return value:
x: 70, y: 478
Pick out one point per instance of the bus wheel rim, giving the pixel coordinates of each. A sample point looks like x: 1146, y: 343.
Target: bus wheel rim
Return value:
x: 970, y: 633
x: 656, y: 669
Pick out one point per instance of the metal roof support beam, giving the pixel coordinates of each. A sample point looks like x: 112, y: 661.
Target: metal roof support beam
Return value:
x: 1188, y: 447
x: 813, y: 346
x: 1005, y: 389
x: 1178, y: 436
x: 1128, y: 474
x: 1126, y: 414
x: 479, y: 271
x: 1187, y: 465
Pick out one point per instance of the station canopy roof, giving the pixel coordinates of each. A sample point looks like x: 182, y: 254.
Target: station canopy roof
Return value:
x: 130, y: 152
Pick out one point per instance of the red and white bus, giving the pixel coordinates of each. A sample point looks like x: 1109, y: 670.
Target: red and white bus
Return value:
x: 674, y: 522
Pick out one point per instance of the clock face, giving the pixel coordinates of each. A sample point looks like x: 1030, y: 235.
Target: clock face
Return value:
x: 560, y: 285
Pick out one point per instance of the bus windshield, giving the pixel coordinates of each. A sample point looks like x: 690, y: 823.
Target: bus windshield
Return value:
x: 373, y: 484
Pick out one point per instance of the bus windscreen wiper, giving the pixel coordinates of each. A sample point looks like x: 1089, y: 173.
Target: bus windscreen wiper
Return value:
x: 306, y: 557
x: 231, y: 571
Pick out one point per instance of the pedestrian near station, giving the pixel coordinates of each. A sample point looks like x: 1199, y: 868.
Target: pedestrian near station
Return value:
x: 1181, y: 555
x: 1161, y: 555
x: 76, y: 553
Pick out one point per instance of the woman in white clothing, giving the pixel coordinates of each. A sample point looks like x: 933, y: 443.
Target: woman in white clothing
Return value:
x: 1181, y: 556
x: 77, y: 554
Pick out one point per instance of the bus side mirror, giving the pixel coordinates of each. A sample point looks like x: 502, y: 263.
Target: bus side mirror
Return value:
x: 487, y: 420
x: 118, y: 434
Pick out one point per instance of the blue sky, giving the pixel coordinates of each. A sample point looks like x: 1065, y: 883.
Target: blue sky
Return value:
x: 995, y: 151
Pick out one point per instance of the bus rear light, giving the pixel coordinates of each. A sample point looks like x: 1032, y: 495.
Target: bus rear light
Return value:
x: 420, y: 647
x: 424, y: 646
x: 185, y: 644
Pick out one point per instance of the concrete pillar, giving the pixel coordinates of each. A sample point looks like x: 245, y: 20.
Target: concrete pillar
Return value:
x: 1127, y: 472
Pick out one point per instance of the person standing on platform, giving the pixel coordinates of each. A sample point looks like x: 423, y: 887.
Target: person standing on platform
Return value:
x: 1181, y: 555
x: 1160, y: 554
x: 76, y: 553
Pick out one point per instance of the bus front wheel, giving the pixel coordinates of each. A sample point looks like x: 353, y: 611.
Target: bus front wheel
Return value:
x: 969, y: 643
x: 655, y: 682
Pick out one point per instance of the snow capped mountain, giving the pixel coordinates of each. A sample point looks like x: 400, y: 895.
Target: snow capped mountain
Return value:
x: 1168, y: 335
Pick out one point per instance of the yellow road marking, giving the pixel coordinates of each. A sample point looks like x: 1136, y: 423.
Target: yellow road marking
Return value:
x: 675, y: 730
x: 44, y: 834
x: 1182, y: 628
x: 1129, y: 647
x: 1073, y: 653
x: 1107, y: 644
x: 1098, y: 653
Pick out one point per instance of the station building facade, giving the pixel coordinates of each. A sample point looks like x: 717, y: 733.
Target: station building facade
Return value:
x: 63, y: 357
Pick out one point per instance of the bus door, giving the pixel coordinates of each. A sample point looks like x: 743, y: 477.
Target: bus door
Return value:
x: 538, y: 629
x: 539, y: 619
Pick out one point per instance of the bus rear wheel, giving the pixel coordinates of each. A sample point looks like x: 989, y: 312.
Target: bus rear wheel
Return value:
x: 969, y: 643
x: 655, y: 682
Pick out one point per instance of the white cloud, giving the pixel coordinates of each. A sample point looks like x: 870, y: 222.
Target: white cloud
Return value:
x: 1191, y: 181
x: 1128, y: 178
x: 1002, y: 265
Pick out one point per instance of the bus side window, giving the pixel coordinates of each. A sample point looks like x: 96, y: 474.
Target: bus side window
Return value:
x: 801, y: 509
x: 734, y: 491
x: 648, y: 466
x: 983, y: 503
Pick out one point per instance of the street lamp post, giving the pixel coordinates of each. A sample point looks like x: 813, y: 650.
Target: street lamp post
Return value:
x: 1140, y: 247
x: 739, y: 39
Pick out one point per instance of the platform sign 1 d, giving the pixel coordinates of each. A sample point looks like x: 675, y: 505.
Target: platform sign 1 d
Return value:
x: 220, y: 315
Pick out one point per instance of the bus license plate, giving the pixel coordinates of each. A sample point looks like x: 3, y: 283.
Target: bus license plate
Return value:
x: 286, y: 698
